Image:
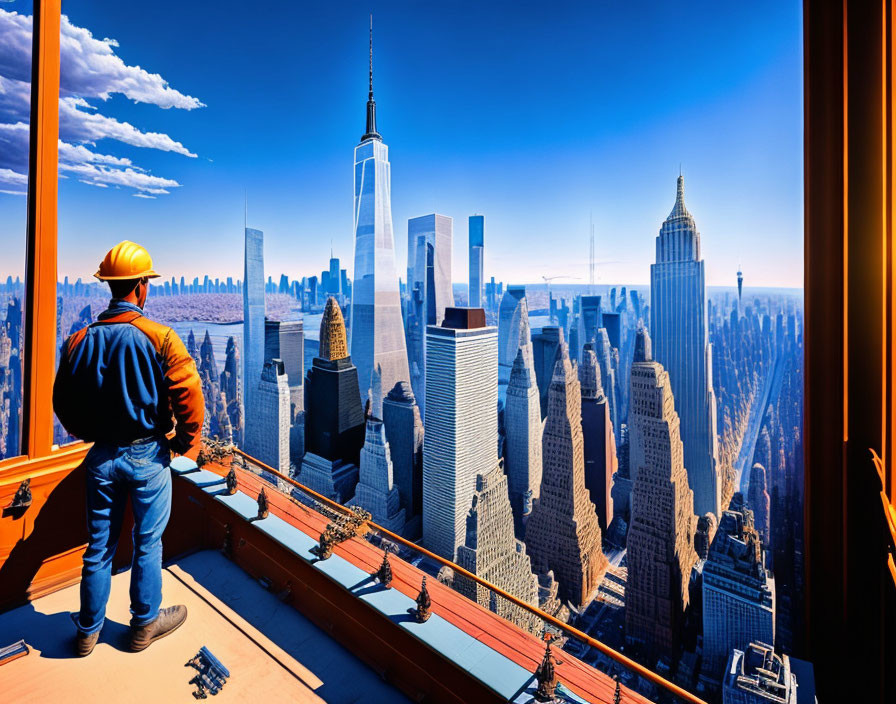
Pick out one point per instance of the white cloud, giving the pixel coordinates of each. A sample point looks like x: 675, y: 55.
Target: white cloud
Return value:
x: 79, y: 126
x: 76, y: 152
x: 143, y: 195
x: 90, y: 70
x: 128, y: 177
x: 10, y: 177
x: 89, y: 66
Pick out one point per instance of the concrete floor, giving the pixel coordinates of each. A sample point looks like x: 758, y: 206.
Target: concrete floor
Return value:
x: 273, y: 652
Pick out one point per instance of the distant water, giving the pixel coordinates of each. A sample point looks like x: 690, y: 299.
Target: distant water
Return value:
x: 219, y: 332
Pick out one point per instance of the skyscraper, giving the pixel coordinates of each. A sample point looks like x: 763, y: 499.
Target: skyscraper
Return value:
x: 285, y: 340
x: 738, y: 593
x: 404, y: 432
x: 512, y: 316
x: 522, y: 453
x: 491, y: 551
x: 462, y: 425
x: 335, y: 281
x: 271, y: 432
x: 253, y: 322
x: 597, y: 432
x: 608, y: 360
x: 477, y: 259
x: 376, y: 491
x: 429, y: 288
x: 377, y: 330
x: 563, y: 534
x: 660, y: 547
x: 545, y: 348
x: 231, y: 385
x: 678, y: 330
x: 334, y: 417
x: 756, y: 675
x: 589, y: 320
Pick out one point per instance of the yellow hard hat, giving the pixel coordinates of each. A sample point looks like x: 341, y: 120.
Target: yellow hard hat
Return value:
x: 126, y: 260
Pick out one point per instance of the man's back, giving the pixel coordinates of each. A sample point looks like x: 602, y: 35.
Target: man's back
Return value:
x: 120, y: 379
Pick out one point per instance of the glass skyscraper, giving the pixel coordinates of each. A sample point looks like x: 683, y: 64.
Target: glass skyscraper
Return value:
x: 253, y: 325
x: 377, y: 330
x: 680, y: 344
x: 429, y: 288
x: 477, y: 259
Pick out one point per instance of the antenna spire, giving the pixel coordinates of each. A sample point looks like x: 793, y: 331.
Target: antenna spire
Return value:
x: 371, y: 132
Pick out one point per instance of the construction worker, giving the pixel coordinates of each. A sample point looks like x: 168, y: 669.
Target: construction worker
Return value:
x: 121, y: 384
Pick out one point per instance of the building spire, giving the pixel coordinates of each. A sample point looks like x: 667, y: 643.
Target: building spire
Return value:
x: 371, y: 132
x: 679, y: 210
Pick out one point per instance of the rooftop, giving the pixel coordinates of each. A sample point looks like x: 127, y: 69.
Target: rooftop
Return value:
x: 271, y: 650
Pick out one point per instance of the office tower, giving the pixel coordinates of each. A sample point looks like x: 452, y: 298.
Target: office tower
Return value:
x: 216, y: 422
x: 590, y: 318
x: 269, y: 440
x: 760, y: 502
x: 522, y: 452
x: 563, y: 534
x: 608, y: 361
x: 660, y: 540
x: 545, y: 349
x: 334, y: 417
x: 756, y: 675
x: 707, y: 525
x: 253, y: 322
x: 429, y: 289
x: 377, y: 330
x: 599, y: 442
x: 477, y: 259
x: 312, y: 293
x: 612, y: 323
x: 462, y: 425
x: 430, y: 240
x: 231, y: 384
x: 738, y: 592
x: 404, y: 433
x: 490, y: 550
x: 335, y: 280
x: 285, y: 340
x: 376, y: 491
x: 513, y: 316
x: 740, y: 285
x: 678, y: 331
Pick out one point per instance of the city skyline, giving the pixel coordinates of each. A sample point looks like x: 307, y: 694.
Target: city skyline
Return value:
x: 617, y: 162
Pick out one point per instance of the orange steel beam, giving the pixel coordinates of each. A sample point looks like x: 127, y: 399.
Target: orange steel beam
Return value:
x: 544, y: 616
x: 40, y: 268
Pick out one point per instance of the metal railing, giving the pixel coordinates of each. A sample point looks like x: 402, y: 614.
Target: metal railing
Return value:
x: 572, y: 631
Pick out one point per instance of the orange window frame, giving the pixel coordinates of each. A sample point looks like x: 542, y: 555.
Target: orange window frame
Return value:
x: 39, y: 360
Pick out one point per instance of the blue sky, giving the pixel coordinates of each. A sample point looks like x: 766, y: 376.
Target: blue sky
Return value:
x: 534, y: 114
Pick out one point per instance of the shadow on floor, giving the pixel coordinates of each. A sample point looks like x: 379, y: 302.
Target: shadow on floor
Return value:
x: 53, y: 635
x: 346, y: 680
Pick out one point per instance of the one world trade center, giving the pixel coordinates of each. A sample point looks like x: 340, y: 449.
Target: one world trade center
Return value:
x: 377, y: 330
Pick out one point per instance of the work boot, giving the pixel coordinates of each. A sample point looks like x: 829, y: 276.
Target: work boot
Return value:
x: 85, y: 642
x: 167, y: 621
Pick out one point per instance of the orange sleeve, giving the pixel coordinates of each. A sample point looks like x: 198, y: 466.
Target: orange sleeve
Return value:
x: 184, y: 392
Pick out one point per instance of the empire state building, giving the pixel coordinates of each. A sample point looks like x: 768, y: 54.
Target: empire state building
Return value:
x: 680, y: 344
x: 377, y: 331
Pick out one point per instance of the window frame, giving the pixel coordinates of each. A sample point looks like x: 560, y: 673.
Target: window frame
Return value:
x: 39, y: 455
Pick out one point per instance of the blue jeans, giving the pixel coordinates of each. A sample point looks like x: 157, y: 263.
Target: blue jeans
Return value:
x: 113, y: 473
